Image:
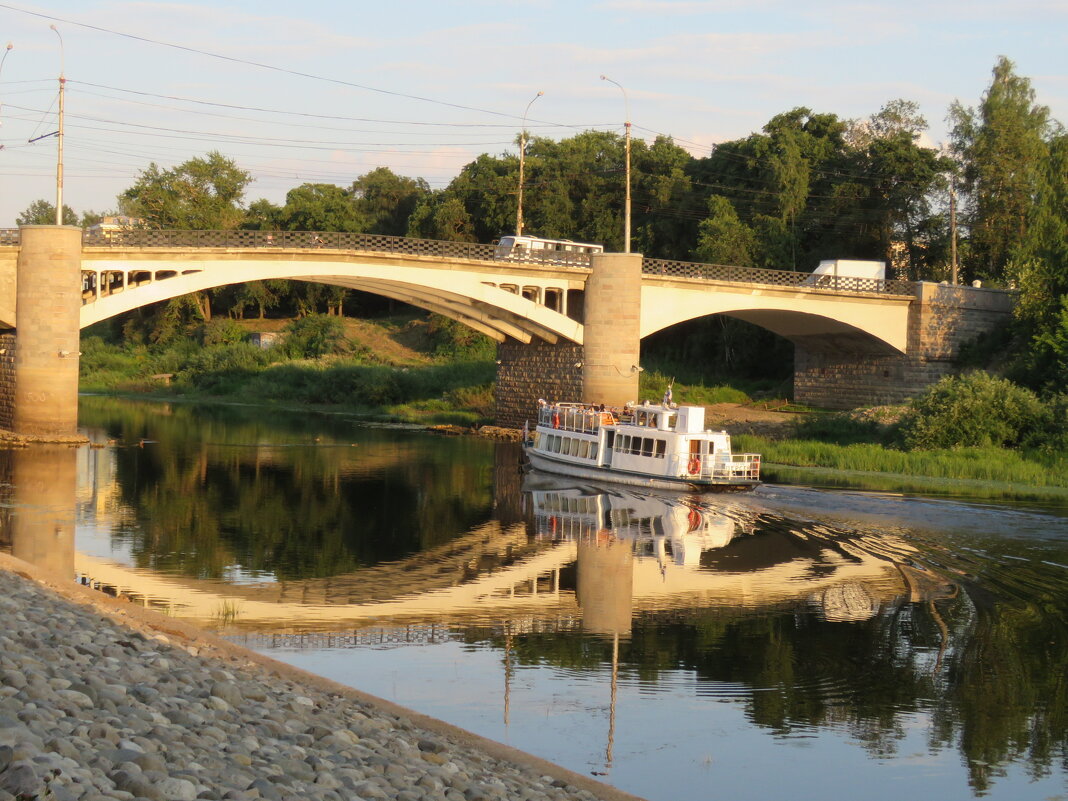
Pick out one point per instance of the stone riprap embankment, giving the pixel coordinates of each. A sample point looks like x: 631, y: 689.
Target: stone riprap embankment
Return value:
x: 93, y: 709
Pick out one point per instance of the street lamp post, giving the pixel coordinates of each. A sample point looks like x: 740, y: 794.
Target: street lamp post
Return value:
x: 522, y: 159
x: 8, y: 49
x: 626, y: 202
x: 59, y: 135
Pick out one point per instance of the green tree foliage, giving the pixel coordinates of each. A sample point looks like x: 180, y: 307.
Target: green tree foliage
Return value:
x: 199, y: 194
x: 811, y: 186
x: 319, y: 207
x: 41, y: 212
x: 1002, y: 147
x: 385, y: 200
x: 441, y: 215
x: 972, y: 410
x: 1040, y: 269
x: 722, y: 238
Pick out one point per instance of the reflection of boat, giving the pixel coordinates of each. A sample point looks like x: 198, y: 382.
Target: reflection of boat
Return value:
x: 652, y: 445
x: 675, y: 529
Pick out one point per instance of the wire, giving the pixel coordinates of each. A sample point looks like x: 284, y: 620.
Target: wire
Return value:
x: 260, y: 65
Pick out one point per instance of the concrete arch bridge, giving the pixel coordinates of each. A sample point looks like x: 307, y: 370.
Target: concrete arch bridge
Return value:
x: 569, y: 324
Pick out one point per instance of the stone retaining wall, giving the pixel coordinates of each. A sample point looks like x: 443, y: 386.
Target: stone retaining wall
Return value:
x: 538, y: 370
x: 941, y: 320
x: 7, y: 380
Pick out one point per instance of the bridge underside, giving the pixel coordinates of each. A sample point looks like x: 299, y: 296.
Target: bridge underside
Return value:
x: 823, y: 321
x: 508, y: 306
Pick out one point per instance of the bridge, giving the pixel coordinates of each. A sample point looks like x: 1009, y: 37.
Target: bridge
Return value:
x: 569, y: 325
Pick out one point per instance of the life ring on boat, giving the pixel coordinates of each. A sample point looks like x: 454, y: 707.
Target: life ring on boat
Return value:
x: 607, y: 419
x: 694, y: 465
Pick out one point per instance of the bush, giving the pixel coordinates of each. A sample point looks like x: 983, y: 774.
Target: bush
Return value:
x: 1050, y: 436
x: 222, y: 331
x: 314, y: 336
x: 454, y: 340
x: 972, y: 410
x: 219, y: 368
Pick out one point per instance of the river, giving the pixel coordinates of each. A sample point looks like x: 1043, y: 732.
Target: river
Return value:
x: 789, y: 642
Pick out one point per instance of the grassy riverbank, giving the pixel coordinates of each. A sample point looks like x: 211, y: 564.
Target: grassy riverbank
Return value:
x: 993, y: 473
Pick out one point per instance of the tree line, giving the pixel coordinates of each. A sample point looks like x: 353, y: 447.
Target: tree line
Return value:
x: 993, y: 206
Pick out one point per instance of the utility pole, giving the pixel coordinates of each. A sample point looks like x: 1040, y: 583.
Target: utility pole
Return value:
x: 626, y: 202
x: 59, y: 135
x: 522, y: 158
x: 953, y: 229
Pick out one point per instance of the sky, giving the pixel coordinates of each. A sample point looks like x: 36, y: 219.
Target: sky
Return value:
x: 324, y: 91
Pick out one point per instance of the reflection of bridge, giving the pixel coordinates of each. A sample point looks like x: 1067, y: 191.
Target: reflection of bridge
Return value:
x: 633, y: 553
x: 586, y: 555
x: 589, y: 311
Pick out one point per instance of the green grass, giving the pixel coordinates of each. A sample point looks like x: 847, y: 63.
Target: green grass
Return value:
x: 996, y: 465
x: 652, y: 384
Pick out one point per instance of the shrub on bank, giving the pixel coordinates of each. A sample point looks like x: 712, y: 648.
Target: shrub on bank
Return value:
x: 972, y: 410
x: 314, y: 336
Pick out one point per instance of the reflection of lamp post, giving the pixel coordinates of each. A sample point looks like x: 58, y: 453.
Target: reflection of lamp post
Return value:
x: 522, y: 155
x: 626, y: 206
x: 59, y: 136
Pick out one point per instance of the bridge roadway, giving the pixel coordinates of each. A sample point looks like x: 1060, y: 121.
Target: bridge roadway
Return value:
x: 538, y: 297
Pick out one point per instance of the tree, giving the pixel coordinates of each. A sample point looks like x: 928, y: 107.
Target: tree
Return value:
x: 722, y: 238
x: 385, y: 200
x: 319, y: 207
x: 200, y: 194
x: 441, y: 215
x: 1040, y: 268
x: 1002, y: 147
x: 41, y: 212
x: 901, y: 178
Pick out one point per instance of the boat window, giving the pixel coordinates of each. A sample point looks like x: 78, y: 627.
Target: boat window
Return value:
x: 647, y: 447
x: 661, y: 448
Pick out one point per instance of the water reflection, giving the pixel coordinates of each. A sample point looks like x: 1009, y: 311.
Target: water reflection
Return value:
x: 588, y: 624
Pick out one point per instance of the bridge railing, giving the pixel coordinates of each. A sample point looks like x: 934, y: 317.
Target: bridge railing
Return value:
x: 309, y: 240
x: 787, y: 278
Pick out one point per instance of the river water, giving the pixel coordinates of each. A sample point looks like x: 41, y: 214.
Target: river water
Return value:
x: 788, y: 642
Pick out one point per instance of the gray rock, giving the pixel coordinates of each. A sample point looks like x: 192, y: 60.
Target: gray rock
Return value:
x: 174, y: 789
x: 20, y: 779
x: 227, y: 691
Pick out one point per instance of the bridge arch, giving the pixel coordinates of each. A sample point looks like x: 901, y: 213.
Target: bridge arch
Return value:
x: 498, y: 308
x: 815, y: 319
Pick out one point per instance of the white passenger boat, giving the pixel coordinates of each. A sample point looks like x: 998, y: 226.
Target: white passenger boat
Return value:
x: 651, y: 445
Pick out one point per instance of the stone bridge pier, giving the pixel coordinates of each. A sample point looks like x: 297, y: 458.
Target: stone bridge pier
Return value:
x: 43, y: 404
x: 604, y: 369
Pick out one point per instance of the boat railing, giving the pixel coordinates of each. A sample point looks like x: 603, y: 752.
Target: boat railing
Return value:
x: 574, y: 417
x: 729, y: 467
x: 724, y: 468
